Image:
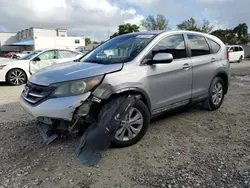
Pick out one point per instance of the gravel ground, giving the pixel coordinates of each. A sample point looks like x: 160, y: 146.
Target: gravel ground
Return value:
x: 188, y: 148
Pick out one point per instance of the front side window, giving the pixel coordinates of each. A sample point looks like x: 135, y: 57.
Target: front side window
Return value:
x: 48, y: 55
x: 215, y: 47
x: 232, y: 49
x: 174, y: 44
x: 120, y: 49
x: 198, y: 45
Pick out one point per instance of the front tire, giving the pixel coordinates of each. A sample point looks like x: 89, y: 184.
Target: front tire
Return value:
x: 16, y: 77
x: 216, y: 94
x: 129, y: 133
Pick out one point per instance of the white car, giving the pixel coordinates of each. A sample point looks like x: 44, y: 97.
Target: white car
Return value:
x: 20, y: 55
x: 17, y: 72
x: 236, y: 53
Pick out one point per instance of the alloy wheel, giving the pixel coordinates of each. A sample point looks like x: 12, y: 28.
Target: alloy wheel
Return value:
x: 131, y: 126
x: 17, y: 77
x: 217, y: 93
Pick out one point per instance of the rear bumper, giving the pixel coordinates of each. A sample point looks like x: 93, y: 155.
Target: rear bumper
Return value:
x: 56, y: 108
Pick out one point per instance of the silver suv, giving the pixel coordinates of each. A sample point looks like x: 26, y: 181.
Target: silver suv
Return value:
x: 164, y: 69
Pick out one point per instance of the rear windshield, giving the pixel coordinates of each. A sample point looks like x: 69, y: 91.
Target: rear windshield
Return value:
x: 30, y: 55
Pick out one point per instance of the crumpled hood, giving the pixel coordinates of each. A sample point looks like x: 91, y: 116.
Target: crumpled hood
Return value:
x: 71, y: 71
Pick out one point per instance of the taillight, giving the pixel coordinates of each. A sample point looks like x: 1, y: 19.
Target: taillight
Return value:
x: 227, y: 55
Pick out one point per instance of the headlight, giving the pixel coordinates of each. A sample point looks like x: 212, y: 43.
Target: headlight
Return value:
x: 2, y: 66
x: 76, y: 87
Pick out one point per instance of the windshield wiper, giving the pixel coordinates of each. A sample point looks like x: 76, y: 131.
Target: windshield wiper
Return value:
x: 93, y: 61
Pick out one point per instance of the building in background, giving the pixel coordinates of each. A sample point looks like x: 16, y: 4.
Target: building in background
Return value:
x: 38, y: 39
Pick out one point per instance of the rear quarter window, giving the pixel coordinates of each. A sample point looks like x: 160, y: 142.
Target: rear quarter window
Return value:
x: 215, y: 47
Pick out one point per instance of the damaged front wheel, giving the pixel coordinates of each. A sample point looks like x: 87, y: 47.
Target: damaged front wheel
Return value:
x: 133, y: 127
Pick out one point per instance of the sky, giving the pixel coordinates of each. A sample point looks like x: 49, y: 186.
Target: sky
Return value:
x: 99, y: 18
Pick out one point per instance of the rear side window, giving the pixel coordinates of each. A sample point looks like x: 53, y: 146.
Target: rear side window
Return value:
x: 241, y: 49
x: 174, y: 44
x: 198, y: 45
x: 215, y: 47
x: 236, y: 49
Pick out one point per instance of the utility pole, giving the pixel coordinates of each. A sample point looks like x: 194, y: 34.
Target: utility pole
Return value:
x: 108, y: 34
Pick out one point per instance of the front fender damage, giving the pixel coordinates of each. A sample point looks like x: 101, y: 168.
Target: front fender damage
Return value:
x: 99, y: 135
x: 48, y: 127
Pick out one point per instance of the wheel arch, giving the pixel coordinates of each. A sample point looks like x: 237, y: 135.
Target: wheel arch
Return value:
x: 143, y: 96
x: 17, y: 69
x: 223, y: 75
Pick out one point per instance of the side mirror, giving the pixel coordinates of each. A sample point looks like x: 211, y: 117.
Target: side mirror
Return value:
x: 231, y: 51
x: 36, y: 59
x: 162, y: 58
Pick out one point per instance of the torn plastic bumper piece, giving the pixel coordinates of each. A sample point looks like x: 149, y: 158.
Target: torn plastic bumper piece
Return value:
x: 99, y: 135
x: 46, y: 132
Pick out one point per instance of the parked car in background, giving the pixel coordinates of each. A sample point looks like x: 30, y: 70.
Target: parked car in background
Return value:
x: 236, y: 53
x: 17, y: 72
x: 8, y: 54
x: 20, y: 55
x: 163, y: 70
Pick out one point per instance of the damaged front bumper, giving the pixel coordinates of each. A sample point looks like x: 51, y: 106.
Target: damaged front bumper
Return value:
x: 56, y: 108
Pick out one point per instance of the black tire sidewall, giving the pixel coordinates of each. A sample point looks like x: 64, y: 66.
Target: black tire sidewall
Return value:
x: 8, y: 77
x: 241, y: 59
x: 214, y: 82
x: 139, y: 105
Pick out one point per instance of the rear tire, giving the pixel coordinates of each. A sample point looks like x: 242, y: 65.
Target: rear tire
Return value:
x: 107, y: 111
x: 241, y: 59
x: 16, y: 77
x: 216, y: 94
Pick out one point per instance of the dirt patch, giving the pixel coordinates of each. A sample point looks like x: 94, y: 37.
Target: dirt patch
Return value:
x: 190, y: 148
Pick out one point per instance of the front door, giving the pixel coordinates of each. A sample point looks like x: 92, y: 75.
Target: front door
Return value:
x: 170, y: 84
x: 46, y: 59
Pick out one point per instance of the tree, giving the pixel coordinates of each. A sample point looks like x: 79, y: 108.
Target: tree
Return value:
x: 87, y: 41
x: 241, y: 30
x: 126, y: 28
x: 207, y: 27
x: 158, y: 23
x: 191, y: 25
x: 227, y: 36
x: 233, y: 36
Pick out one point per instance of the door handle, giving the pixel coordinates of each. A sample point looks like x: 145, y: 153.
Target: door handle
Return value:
x: 186, y: 66
x: 213, y: 60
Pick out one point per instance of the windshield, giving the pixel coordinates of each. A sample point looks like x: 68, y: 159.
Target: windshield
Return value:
x: 30, y: 55
x: 119, y: 50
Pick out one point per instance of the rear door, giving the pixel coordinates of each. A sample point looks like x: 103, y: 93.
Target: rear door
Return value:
x: 242, y: 52
x: 45, y: 59
x: 204, y: 61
